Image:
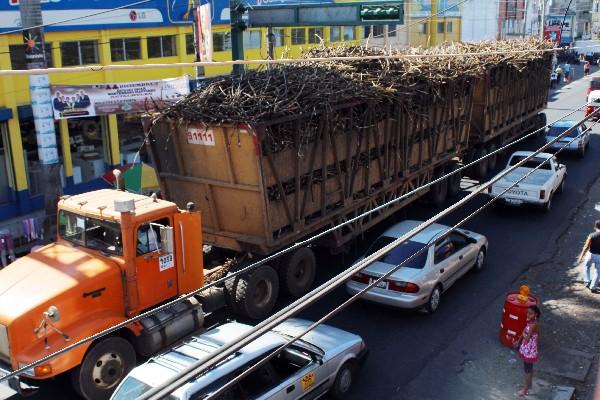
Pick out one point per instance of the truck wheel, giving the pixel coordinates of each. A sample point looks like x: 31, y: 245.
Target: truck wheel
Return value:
x: 254, y: 293
x: 343, y: 381
x: 493, y: 159
x: 480, y: 169
x: 454, y: 182
x: 297, y: 272
x: 438, y: 192
x: 548, y: 204
x: 561, y: 188
x: 542, y: 121
x: 104, y: 366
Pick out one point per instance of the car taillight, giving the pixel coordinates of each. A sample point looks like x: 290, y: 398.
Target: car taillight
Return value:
x: 360, y: 277
x: 589, y: 110
x: 542, y: 194
x: 405, y: 287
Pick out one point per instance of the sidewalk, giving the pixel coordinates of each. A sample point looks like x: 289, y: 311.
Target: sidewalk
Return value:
x: 476, y: 366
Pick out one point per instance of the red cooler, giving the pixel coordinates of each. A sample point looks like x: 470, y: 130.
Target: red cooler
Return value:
x: 514, y: 316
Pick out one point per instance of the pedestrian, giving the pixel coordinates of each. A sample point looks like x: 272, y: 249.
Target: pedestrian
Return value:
x: 527, y: 343
x: 567, y: 70
x: 586, y: 68
x: 559, y: 74
x: 592, y: 245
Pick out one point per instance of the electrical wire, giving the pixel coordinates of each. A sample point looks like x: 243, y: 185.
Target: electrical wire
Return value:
x: 171, y: 384
x: 76, y: 18
x: 374, y: 283
x: 278, y: 254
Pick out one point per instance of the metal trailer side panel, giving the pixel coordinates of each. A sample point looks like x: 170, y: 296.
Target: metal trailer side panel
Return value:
x: 261, y: 194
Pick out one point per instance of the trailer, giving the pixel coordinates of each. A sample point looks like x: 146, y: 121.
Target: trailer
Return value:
x: 508, y: 103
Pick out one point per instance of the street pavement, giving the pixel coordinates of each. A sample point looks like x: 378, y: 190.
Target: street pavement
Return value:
x: 404, y: 345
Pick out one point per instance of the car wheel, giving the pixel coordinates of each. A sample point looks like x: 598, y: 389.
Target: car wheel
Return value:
x: 103, y: 368
x: 343, y: 381
x: 548, y: 205
x: 582, y: 152
x: 434, y: 300
x: 480, y: 260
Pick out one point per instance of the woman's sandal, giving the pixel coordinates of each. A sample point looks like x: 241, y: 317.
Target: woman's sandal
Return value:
x: 523, y: 392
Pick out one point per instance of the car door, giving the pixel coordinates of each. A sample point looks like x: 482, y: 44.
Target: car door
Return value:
x: 465, y: 249
x: 446, y: 262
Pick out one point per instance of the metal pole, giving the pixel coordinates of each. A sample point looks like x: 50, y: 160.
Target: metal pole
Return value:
x: 543, y: 20
x: 41, y: 104
x: 197, y: 33
x: 237, y: 34
x: 271, y: 42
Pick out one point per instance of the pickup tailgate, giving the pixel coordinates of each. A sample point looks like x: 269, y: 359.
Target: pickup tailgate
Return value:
x: 528, y: 189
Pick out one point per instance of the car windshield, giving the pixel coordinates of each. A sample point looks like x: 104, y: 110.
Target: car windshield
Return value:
x: 92, y: 233
x: 132, y: 388
x: 554, y: 131
x: 531, y: 163
x: 400, y: 253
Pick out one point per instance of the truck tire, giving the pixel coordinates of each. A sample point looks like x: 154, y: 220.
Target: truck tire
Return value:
x: 480, y: 169
x: 297, y: 272
x: 542, y: 122
x: 548, y: 204
x: 254, y: 293
x: 493, y: 159
x: 438, y: 192
x: 454, y: 182
x: 104, y: 366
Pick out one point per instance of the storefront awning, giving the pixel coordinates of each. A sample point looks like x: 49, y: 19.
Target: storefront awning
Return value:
x: 5, y: 114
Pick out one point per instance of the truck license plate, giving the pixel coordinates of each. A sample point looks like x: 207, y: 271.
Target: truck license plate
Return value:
x: 515, y: 202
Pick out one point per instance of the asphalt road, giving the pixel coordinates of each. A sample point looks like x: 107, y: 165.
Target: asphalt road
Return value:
x: 403, y: 343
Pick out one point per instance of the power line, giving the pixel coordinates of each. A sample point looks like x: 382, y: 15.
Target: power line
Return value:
x: 76, y: 18
x: 373, y: 284
x: 171, y: 384
x: 275, y: 255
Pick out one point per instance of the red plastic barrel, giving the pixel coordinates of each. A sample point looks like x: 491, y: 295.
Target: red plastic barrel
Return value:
x: 514, y: 317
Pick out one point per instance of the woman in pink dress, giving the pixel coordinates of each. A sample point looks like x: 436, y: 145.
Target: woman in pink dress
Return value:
x: 528, y: 347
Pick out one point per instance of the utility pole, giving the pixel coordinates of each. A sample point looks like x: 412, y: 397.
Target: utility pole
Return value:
x: 41, y: 103
x: 433, y: 27
x: 236, y: 11
x: 271, y: 43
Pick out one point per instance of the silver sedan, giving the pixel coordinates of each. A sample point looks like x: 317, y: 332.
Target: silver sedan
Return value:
x: 326, y: 360
x: 420, y: 282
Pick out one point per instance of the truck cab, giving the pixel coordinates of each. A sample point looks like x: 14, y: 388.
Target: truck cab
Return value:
x: 116, y: 255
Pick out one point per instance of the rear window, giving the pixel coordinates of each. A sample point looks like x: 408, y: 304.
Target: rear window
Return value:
x: 400, y: 253
x: 531, y: 163
x: 595, y: 84
x: 554, y: 131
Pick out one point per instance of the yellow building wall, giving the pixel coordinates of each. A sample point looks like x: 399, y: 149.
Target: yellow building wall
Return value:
x: 431, y: 37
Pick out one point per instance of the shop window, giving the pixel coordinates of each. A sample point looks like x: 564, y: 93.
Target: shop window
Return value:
x: 392, y: 29
x: 17, y: 56
x: 377, y: 31
x: 190, y: 47
x: 298, y: 36
x: 33, y: 168
x: 315, y: 35
x: 279, y: 37
x: 252, y: 39
x: 79, y: 53
x: 367, y: 31
x: 449, y: 27
x: 131, y: 139
x: 89, y: 149
x: 5, y: 165
x: 125, y: 49
x: 334, y: 34
x: 423, y: 28
x: 221, y: 41
x: 162, y: 46
x: 349, y: 33
x: 440, y: 27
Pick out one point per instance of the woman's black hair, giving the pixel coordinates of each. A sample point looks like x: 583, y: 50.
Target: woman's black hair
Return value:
x: 536, y: 311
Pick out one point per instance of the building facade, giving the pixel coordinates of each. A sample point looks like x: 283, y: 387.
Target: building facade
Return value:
x: 156, y: 32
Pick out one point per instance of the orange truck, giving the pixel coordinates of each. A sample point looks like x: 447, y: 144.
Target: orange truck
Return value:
x: 117, y: 254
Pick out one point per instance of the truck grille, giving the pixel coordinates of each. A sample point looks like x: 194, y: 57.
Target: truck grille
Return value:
x: 4, y: 348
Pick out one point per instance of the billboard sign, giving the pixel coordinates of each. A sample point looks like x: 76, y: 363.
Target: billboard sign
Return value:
x: 552, y: 34
x: 556, y: 21
x: 72, y: 101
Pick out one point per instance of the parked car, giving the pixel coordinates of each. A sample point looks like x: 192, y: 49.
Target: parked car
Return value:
x: 326, y: 360
x: 421, y: 282
x: 593, y: 105
x: 594, y: 85
x: 578, y: 145
x: 538, y: 188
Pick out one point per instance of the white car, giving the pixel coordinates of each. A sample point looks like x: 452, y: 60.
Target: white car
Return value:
x: 326, y: 360
x: 537, y: 189
x: 581, y: 133
x: 421, y: 282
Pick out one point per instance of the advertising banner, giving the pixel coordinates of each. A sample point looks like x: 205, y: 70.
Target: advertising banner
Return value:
x: 72, y: 101
x: 204, y: 29
x: 552, y: 33
x: 566, y: 36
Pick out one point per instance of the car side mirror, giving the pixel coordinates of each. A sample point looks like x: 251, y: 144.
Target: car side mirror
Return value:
x: 316, y: 359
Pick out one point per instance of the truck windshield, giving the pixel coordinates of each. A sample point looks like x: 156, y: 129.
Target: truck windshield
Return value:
x: 92, y: 233
x: 531, y: 163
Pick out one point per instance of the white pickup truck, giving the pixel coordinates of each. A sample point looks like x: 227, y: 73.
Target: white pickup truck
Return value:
x: 538, y: 188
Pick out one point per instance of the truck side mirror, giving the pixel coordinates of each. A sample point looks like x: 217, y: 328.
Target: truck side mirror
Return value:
x: 166, y: 239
